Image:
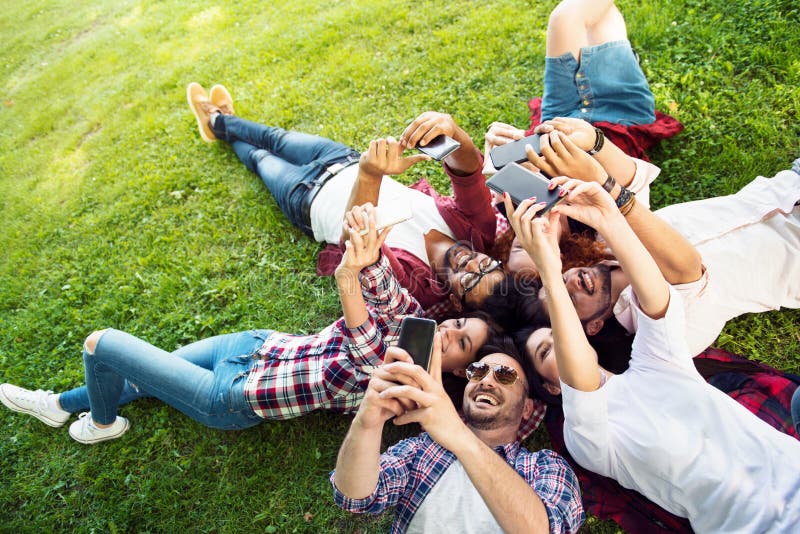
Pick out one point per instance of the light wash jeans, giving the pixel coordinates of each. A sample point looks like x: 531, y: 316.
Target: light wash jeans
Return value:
x: 204, y: 380
x: 607, y: 85
x: 287, y: 162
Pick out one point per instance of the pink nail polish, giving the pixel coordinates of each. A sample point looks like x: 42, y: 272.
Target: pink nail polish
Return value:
x: 551, y: 186
x: 562, y: 192
x: 533, y: 199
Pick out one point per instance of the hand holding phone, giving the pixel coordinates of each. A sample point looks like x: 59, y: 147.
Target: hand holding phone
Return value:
x: 440, y: 147
x: 416, y: 338
x: 393, y: 211
x: 514, y: 152
x: 520, y: 184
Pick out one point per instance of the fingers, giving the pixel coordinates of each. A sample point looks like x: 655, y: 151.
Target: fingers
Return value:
x: 557, y: 143
x: 426, y: 127
x: 415, y: 372
x: 500, y: 133
x: 436, y: 359
x: 383, y: 373
x: 396, y: 354
x: 406, y: 392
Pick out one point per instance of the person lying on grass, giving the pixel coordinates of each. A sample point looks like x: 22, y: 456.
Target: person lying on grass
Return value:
x: 467, y: 475
x: 235, y: 381
x: 657, y: 428
x: 314, y: 180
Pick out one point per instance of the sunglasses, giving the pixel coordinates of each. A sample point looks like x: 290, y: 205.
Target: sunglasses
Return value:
x: 502, y: 373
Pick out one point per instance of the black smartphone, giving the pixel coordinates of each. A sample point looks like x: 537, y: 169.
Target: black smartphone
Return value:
x: 416, y: 338
x: 440, y: 147
x: 514, y: 152
x: 520, y: 183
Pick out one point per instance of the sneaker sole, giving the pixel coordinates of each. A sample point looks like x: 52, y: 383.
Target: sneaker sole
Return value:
x: 104, y: 438
x: 19, y: 409
x: 200, y: 126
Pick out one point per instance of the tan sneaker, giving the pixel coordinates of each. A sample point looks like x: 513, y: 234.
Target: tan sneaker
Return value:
x: 202, y: 108
x: 221, y: 98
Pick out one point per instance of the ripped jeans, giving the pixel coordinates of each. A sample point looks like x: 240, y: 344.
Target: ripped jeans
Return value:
x: 204, y: 380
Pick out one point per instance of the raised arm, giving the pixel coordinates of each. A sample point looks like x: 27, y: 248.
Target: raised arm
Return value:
x: 360, y: 252
x: 589, y: 204
x: 422, y: 130
x: 384, y: 156
x: 575, y: 357
x: 358, y: 464
x: 678, y: 260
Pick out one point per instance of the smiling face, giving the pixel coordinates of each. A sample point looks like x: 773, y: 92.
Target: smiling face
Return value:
x: 541, y: 353
x: 489, y: 405
x: 590, y: 291
x: 470, y: 275
x: 461, y: 339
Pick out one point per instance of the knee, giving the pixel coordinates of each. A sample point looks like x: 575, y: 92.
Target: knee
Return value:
x: 566, y: 18
x: 91, y: 341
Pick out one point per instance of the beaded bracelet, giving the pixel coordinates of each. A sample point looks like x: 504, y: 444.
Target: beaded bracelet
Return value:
x: 624, y: 197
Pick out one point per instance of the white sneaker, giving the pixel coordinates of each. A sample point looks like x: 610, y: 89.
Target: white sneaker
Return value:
x: 34, y: 403
x: 84, y: 431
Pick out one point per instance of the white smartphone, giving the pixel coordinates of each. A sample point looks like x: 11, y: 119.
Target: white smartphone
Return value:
x: 389, y: 213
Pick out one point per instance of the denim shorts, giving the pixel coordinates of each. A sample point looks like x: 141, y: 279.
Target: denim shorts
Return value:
x: 608, y: 85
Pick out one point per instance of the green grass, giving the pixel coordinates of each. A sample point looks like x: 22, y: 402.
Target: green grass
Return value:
x: 114, y: 213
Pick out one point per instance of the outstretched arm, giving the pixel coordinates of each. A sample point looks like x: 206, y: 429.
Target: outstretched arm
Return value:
x: 384, y: 156
x: 360, y: 251
x: 575, y: 357
x: 563, y: 158
x: 589, y: 204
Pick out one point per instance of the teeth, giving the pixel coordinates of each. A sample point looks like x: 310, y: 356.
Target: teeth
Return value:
x: 486, y: 398
x: 587, y: 282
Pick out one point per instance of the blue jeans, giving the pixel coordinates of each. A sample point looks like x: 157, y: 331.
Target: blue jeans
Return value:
x: 796, y: 409
x: 204, y: 380
x: 608, y: 85
x: 287, y: 162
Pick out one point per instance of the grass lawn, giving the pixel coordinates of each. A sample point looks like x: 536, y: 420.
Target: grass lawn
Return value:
x: 115, y: 213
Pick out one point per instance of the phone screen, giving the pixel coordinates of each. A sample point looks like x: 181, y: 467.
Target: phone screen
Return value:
x: 440, y: 147
x: 416, y: 338
x: 514, y: 152
x: 520, y: 183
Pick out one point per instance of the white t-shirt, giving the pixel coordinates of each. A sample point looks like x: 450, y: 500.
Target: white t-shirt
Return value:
x: 750, y: 246
x: 453, y: 505
x: 327, y: 213
x: 660, y: 429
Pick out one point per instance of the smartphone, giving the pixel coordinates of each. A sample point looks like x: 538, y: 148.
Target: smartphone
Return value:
x: 514, y: 152
x: 440, y: 147
x: 520, y: 183
x: 416, y: 338
x: 391, y: 212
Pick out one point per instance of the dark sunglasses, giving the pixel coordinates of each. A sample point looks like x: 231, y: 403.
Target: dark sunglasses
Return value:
x: 502, y: 373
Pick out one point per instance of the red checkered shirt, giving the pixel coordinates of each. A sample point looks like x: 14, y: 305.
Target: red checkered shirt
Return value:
x: 330, y: 370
